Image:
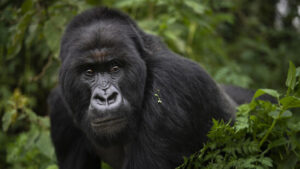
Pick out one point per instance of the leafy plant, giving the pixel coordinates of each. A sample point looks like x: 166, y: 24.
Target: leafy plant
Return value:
x: 265, y: 135
x: 25, y: 141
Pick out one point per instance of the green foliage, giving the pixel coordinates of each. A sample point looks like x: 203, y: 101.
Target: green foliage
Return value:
x: 26, y: 142
x: 265, y: 135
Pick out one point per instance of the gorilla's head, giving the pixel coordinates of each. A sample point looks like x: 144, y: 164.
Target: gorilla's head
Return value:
x: 103, y: 74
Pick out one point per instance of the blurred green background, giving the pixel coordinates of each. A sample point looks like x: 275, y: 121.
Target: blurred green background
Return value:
x: 248, y: 43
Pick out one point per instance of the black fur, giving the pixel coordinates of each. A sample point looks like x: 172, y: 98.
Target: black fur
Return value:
x: 172, y: 99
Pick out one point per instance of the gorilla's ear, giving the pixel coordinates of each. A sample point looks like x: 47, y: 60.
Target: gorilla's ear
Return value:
x: 139, y: 40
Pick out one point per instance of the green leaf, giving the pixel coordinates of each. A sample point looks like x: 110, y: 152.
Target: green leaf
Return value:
x: 291, y: 79
x: 52, y: 167
x: 44, y: 144
x: 276, y: 114
x: 26, y: 6
x: 290, y: 102
x: 33, y: 134
x: 8, y: 118
x: 19, y: 148
x: 129, y: 3
x: 289, y: 162
x: 298, y: 72
x: 173, y: 37
x: 270, y: 92
x: 15, y: 45
x: 52, y: 31
x: 286, y: 114
x: 196, y: 6
x: 242, y: 119
x: 105, y: 166
x: 294, y: 126
x: 93, y: 2
x: 279, y: 142
x: 267, y: 161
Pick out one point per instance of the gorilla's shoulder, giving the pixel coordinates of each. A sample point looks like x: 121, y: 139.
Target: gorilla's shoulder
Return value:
x: 55, y: 98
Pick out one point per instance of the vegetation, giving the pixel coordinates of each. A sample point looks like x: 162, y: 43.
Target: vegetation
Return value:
x: 242, y: 42
x: 265, y: 135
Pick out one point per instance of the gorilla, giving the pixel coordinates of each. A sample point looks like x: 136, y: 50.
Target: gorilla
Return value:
x: 123, y: 97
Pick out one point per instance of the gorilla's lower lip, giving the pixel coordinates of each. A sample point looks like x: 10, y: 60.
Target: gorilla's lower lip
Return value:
x: 102, y: 122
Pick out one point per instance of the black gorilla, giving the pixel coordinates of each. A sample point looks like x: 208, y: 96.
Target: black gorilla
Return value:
x: 125, y: 98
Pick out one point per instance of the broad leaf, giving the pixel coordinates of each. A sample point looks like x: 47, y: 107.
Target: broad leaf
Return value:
x: 270, y: 92
x: 291, y: 79
x: 290, y: 102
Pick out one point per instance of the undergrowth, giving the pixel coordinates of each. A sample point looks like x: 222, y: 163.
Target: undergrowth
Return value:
x: 264, y: 135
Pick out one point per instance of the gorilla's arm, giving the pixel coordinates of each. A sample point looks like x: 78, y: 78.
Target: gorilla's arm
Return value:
x: 71, y: 146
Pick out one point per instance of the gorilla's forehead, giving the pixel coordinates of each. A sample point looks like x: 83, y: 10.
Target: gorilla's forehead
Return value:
x: 104, y: 35
x: 102, y: 41
x: 101, y: 55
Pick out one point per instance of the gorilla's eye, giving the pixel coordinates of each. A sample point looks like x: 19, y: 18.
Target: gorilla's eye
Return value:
x: 89, y: 72
x: 115, y: 69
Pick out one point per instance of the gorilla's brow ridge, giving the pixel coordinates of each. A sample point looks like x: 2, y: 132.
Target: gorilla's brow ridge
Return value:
x: 99, y: 55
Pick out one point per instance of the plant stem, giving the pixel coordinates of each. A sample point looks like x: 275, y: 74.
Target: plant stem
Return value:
x: 268, y: 133
x: 270, y: 129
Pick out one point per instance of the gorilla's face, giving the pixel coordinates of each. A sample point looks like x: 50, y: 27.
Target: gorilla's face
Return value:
x: 108, y: 107
x: 103, y: 79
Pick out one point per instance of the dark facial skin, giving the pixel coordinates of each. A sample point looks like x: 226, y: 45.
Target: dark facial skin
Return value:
x: 106, y: 100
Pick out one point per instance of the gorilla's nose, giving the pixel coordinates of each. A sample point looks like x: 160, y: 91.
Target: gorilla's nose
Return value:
x: 105, y: 98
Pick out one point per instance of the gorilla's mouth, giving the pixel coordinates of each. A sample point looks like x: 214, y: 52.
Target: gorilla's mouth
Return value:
x: 107, y: 121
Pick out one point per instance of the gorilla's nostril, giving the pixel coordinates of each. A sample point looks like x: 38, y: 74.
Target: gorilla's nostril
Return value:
x: 105, y: 99
x: 112, y: 98
x: 100, y: 99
